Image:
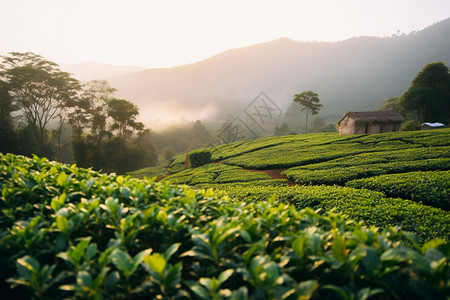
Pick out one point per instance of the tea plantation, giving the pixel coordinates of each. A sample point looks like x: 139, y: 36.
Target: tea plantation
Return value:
x: 368, y: 219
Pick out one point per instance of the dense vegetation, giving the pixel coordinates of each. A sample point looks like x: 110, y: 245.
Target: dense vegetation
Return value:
x: 57, y: 117
x: 397, y: 179
x: 77, y: 234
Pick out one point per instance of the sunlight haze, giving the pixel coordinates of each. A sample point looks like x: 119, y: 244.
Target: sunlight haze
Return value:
x: 154, y: 34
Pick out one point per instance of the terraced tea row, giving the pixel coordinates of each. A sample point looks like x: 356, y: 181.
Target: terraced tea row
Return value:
x: 373, y: 208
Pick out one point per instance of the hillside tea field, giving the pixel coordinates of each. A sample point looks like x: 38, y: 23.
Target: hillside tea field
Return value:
x: 71, y: 233
x: 392, y: 179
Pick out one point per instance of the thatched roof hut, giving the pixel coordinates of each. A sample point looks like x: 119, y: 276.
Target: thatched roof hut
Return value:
x: 367, y: 122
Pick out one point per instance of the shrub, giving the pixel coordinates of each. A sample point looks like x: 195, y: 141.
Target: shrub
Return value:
x: 199, y: 158
x: 215, y: 173
x: 411, y: 126
x: 429, y: 187
x: 373, y: 208
x: 70, y: 233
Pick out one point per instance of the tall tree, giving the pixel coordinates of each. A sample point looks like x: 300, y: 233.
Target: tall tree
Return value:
x: 309, y: 104
x: 283, y: 129
x: 98, y: 93
x: 428, y: 97
x: 123, y: 114
x: 391, y: 104
x: 78, y: 116
x: 40, y: 90
x: 200, y: 132
x: 7, y: 134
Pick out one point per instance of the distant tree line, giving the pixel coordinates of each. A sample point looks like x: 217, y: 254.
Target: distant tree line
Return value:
x: 179, y: 139
x: 44, y: 111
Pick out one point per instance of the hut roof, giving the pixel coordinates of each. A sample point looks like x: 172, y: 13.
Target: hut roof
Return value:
x: 384, y: 116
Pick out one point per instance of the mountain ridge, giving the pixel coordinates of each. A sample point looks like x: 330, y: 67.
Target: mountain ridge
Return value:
x: 353, y: 74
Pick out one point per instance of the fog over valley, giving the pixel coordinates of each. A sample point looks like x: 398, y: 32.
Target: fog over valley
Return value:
x: 351, y: 75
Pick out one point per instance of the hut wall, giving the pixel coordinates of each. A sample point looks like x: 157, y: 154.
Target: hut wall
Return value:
x: 347, y: 126
x: 369, y: 122
x: 373, y: 128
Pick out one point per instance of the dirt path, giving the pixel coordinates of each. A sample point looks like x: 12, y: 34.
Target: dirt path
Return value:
x: 274, y: 174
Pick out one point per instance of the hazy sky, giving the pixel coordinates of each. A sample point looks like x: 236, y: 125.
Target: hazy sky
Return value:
x: 166, y: 33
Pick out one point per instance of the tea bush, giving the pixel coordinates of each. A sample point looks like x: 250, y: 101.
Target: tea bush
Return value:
x: 70, y: 233
x: 317, y: 174
x: 291, y: 151
x: 215, y: 173
x: 199, y: 158
x: 374, y: 208
x: 431, y: 188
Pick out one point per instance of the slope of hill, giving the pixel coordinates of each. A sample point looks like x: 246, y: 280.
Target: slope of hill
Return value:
x: 355, y: 74
x: 356, y: 174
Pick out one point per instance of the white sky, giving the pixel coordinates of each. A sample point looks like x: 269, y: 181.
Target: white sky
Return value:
x: 150, y: 33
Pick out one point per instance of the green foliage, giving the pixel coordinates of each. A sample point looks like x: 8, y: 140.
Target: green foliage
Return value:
x: 41, y: 91
x: 149, y: 172
x: 182, y: 138
x: 428, y: 97
x: 215, y: 173
x: 124, y: 115
x: 301, y: 150
x: 8, y: 138
x: 319, y: 174
x: 431, y: 188
x: 309, y: 103
x: 373, y: 208
x: 391, y: 104
x: 199, y: 158
x: 411, y: 125
x: 283, y: 129
x: 77, y: 234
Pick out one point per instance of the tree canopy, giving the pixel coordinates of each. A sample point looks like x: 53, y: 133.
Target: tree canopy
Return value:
x: 309, y: 102
x: 103, y: 131
x: 124, y: 115
x: 7, y: 135
x: 40, y: 90
x: 428, y: 97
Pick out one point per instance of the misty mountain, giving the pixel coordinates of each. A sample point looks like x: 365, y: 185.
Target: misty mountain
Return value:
x: 351, y: 75
x: 93, y: 70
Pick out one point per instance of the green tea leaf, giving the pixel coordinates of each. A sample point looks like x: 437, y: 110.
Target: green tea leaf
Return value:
x: 62, y: 224
x: 57, y: 202
x: 338, y: 249
x: 432, y: 244
x: 225, y: 275
x: 121, y: 260
x: 84, y: 279
x: 120, y: 180
x: 245, y: 235
x: 299, y: 246
x: 62, y: 178
x: 79, y: 251
x: 200, y: 291
x: 171, y: 251
x: 340, y: 291
x: 366, y: 293
x: 306, y: 289
x: 156, y: 262
x: 371, y: 261
x: 27, y: 266
x: 138, y: 258
x: 91, y: 250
